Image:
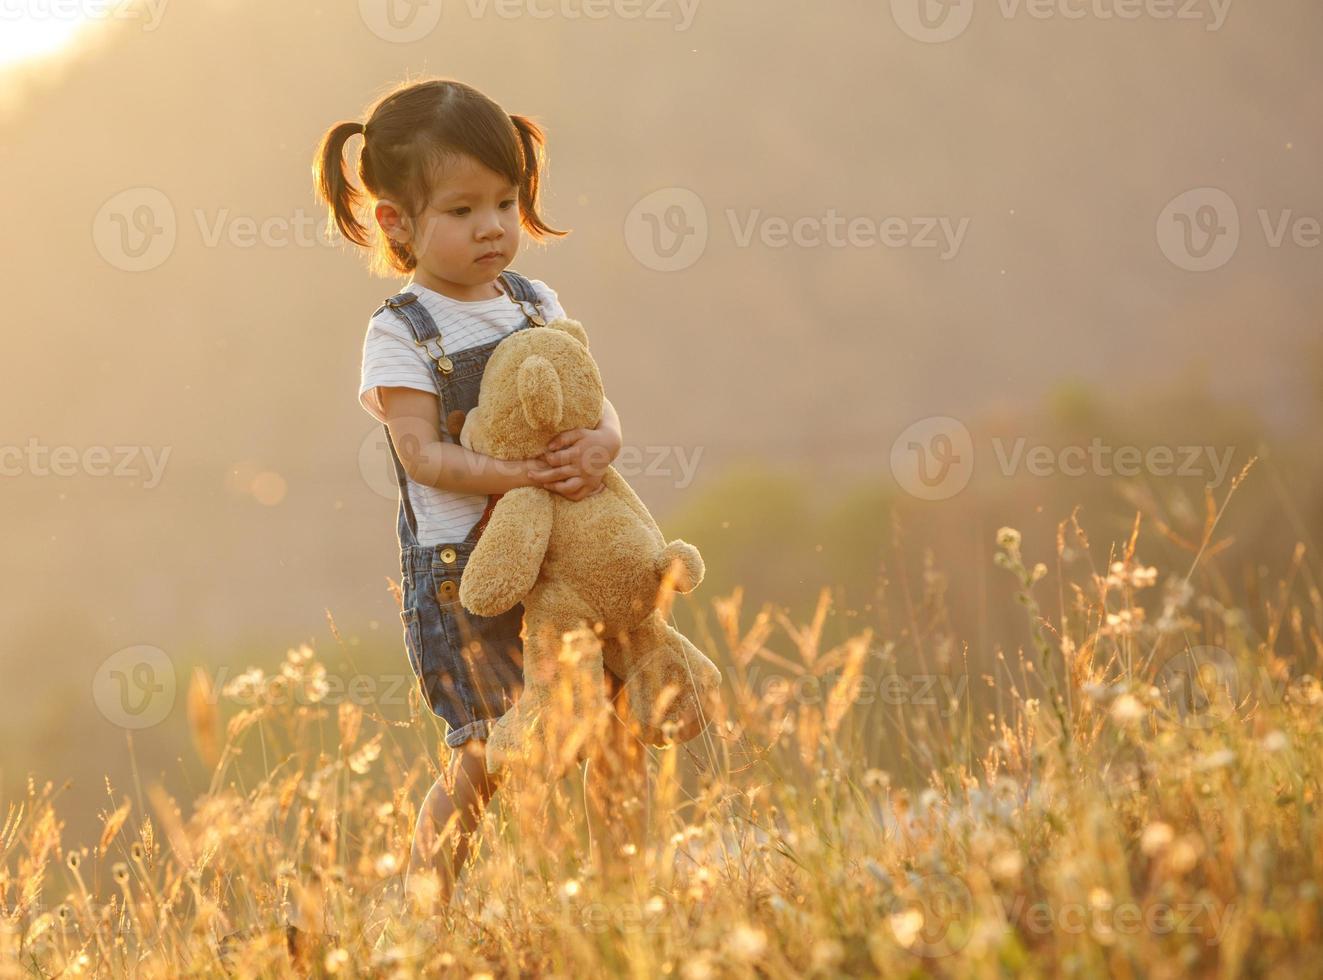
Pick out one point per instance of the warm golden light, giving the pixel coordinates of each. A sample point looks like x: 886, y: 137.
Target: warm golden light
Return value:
x: 27, y: 36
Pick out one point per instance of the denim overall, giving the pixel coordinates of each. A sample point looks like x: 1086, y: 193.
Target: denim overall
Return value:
x: 469, y: 668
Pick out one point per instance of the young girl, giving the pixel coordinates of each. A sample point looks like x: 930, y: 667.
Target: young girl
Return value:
x: 452, y: 181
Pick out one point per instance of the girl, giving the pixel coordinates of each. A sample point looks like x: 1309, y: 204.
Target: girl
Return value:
x: 452, y: 181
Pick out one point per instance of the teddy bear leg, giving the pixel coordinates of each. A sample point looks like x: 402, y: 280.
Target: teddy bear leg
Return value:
x: 670, y: 685
x: 562, y: 706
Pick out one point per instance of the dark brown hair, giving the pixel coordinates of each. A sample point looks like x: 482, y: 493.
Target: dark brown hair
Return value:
x: 410, y: 133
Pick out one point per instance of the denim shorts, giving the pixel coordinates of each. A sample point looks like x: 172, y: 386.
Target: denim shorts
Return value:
x: 469, y: 668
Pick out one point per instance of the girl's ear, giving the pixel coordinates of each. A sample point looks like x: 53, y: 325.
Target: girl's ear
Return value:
x: 390, y: 217
x: 572, y: 327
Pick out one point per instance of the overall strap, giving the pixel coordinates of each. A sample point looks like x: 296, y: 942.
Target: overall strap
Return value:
x: 423, y: 328
x: 521, y: 292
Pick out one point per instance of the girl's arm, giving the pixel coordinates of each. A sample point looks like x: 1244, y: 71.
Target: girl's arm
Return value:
x: 578, y: 458
x: 413, y: 417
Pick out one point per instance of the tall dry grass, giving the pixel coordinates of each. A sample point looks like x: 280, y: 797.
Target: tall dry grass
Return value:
x: 1134, y: 792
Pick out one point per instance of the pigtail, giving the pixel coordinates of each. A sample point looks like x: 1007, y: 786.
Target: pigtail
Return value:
x: 533, y: 143
x: 332, y: 184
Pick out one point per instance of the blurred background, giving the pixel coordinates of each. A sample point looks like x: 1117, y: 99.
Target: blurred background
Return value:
x: 866, y: 281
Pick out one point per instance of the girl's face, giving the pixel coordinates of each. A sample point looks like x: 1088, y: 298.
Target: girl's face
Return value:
x: 468, y: 233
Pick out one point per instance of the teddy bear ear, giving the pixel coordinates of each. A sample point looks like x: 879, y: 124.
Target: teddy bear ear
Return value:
x: 539, y: 392
x: 572, y: 327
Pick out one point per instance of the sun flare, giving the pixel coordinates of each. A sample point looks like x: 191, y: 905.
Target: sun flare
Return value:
x: 28, y: 37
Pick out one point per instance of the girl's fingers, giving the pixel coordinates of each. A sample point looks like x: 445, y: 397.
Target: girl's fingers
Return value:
x: 560, y: 457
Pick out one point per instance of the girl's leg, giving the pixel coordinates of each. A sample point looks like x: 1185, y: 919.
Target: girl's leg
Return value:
x: 617, y: 790
x: 449, y: 815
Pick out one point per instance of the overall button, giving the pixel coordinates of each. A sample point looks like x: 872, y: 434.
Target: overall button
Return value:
x: 448, y: 555
x: 447, y: 590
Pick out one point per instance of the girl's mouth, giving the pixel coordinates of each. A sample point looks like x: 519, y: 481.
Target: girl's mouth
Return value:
x: 490, y: 257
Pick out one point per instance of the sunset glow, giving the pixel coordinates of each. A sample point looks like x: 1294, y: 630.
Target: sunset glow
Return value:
x: 26, y: 37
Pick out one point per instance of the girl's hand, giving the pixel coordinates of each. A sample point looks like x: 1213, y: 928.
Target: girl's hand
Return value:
x: 577, y: 459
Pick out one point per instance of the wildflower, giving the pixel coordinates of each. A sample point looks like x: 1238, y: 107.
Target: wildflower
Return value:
x: 570, y: 888
x: 747, y: 942
x: 1008, y: 538
x: 386, y: 864
x: 1155, y: 837
x: 876, y: 779
x: 905, y: 926
x: 1006, y: 866
x: 827, y: 953
x: 336, y: 959
x: 1126, y: 710
x: 1215, y: 760
x: 1183, y: 854
x: 1143, y: 578
x: 120, y: 872
x: 1274, y: 741
x: 697, y: 969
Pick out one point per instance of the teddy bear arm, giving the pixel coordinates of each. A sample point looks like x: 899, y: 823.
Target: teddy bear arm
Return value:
x: 506, y: 561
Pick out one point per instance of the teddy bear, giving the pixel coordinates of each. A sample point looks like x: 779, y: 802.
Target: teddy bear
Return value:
x: 594, y: 575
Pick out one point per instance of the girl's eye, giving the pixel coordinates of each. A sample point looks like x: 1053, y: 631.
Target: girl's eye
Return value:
x: 460, y: 212
x: 507, y: 205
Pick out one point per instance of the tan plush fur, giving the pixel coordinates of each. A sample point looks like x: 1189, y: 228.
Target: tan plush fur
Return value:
x: 592, y: 569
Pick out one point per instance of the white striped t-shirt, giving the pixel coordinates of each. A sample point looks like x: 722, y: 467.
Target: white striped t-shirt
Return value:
x: 392, y: 359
